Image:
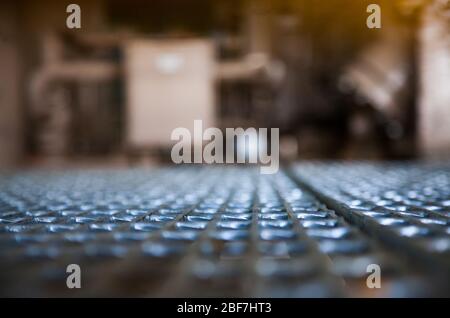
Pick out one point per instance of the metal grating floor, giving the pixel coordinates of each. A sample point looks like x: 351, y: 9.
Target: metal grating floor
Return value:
x: 310, y: 230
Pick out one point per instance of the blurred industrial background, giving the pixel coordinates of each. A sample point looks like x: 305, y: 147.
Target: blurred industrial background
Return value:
x: 136, y: 70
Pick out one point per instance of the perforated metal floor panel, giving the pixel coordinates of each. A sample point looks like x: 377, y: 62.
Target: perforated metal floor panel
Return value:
x: 311, y: 230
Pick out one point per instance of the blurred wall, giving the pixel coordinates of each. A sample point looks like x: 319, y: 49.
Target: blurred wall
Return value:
x: 10, y: 102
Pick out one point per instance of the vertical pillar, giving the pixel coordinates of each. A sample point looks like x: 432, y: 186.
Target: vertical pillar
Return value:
x: 434, y: 73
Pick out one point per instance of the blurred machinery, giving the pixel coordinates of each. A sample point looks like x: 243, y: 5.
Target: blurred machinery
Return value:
x: 166, y: 83
x: 405, y: 76
x: 334, y: 88
x: 71, y: 105
x: 169, y: 85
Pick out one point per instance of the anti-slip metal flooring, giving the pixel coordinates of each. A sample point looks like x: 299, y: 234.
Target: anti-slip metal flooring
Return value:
x: 311, y: 230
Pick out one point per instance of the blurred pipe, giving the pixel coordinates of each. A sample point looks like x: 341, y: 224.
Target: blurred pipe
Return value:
x: 76, y: 71
x: 258, y: 60
x: 52, y: 102
x: 55, y: 68
x: 379, y: 73
x: 248, y: 67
